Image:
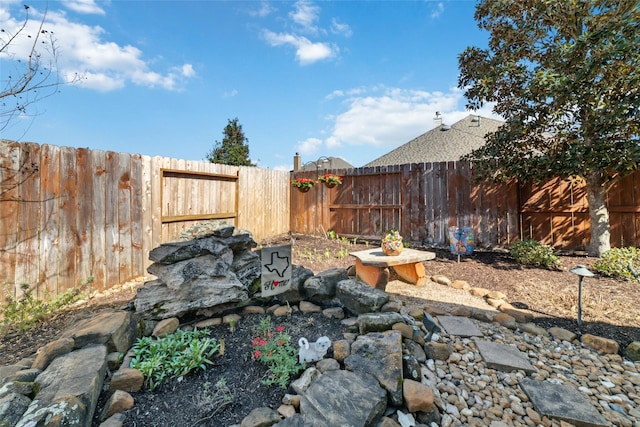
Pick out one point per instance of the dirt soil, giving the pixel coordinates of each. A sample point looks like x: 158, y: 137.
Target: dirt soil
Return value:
x: 609, y: 309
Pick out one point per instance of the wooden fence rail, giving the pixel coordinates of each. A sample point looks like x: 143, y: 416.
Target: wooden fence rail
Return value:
x: 423, y: 200
x: 67, y: 215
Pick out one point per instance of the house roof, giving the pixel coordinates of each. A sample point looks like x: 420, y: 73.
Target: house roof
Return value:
x: 441, y: 144
x: 328, y: 163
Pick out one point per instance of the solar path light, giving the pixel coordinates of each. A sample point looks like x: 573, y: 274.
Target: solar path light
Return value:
x: 582, y: 272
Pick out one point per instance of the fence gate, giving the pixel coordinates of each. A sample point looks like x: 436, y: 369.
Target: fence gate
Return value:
x: 190, y: 197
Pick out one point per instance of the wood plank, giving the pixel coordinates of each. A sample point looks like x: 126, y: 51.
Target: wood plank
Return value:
x: 84, y: 216
x: 124, y: 217
x: 67, y: 240
x: 99, y: 226
x: 27, y: 250
x: 137, y: 217
x: 10, y: 177
x: 50, y: 219
x: 113, y: 247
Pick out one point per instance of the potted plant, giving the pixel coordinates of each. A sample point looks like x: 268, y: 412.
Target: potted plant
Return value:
x: 392, y: 243
x: 330, y: 180
x: 303, y: 184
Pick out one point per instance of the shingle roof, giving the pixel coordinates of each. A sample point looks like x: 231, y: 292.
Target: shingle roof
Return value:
x: 441, y: 144
x: 329, y: 163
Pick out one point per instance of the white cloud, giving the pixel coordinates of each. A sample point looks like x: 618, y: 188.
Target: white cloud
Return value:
x: 393, y: 117
x: 84, y: 6
x: 340, y: 28
x: 84, y: 50
x: 263, y: 10
x: 309, y: 146
x: 305, y: 14
x: 437, y: 10
x: 307, y: 52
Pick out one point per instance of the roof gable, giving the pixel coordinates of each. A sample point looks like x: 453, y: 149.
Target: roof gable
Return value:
x: 441, y: 144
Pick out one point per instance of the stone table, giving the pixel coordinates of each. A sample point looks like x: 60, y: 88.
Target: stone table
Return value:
x: 372, y: 266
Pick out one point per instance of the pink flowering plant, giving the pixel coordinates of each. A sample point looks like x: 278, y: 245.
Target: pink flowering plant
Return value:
x: 273, y: 348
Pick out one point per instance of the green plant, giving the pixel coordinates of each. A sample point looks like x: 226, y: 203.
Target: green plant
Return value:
x: 172, y: 356
x: 531, y: 252
x: 274, y: 350
x: 619, y: 263
x: 303, y: 183
x: 332, y: 235
x: 27, y: 311
x: 330, y: 178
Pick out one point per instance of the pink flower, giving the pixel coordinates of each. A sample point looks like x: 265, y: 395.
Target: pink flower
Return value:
x: 279, y: 328
x: 257, y: 354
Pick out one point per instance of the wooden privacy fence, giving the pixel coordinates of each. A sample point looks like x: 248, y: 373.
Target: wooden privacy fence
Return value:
x: 67, y: 215
x: 423, y: 200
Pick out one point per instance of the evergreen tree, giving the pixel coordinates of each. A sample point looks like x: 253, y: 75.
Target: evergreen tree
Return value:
x: 233, y: 149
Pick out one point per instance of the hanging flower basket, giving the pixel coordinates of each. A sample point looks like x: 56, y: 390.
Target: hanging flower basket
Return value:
x: 330, y: 180
x: 303, y: 184
x: 392, y: 243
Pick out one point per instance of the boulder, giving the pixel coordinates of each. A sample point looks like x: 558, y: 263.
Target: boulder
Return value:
x: 12, y: 406
x: 174, y: 252
x: 184, y: 272
x: 376, y: 322
x: 359, y: 298
x: 116, y: 329
x: 69, y: 389
x: 343, y: 398
x: 379, y: 354
x: 321, y: 288
x: 155, y: 300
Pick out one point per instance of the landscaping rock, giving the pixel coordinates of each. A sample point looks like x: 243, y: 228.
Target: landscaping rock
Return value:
x: 118, y: 402
x: 633, y: 351
x: 359, y: 298
x: 322, y: 287
x: 343, y: 398
x: 12, y: 407
x: 379, y: 354
x: 165, y: 327
x: 603, y: 345
x: 155, y: 300
x: 376, y: 322
x: 47, y: 353
x: 69, y: 389
x: 116, y: 329
x: 261, y: 417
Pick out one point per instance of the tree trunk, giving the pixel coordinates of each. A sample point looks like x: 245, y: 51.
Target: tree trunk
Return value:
x: 598, y: 216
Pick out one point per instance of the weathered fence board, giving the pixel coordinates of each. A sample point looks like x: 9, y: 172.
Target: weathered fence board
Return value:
x: 426, y: 199
x: 67, y: 215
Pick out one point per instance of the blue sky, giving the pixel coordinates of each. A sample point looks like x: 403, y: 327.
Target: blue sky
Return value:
x: 350, y: 79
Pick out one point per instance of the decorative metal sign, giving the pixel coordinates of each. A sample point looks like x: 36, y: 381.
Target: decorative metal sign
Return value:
x: 276, y: 270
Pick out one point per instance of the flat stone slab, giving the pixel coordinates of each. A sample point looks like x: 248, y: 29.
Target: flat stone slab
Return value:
x: 562, y: 402
x: 459, y: 326
x: 377, y: 258
x: 503, y: 357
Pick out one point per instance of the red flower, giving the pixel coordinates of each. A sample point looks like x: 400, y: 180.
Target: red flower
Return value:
x: 280, y: 343
x: 279, y: 328
x: 257, y: 354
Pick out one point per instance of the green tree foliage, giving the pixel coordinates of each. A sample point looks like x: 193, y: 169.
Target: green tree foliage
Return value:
x: 565, y: 76
x: 233, y: 150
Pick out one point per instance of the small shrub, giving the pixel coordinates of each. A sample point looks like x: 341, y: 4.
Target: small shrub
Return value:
x: 173, y: 356
x: 275, y: 351
x: 531, y: 252
x: 619, y: 263
x: 24, y: 313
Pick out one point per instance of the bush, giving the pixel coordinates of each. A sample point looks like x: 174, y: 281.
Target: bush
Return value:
x: 22, y: 314
x: 619, y: 263
x: 531, y: 252
x: 173, y: 356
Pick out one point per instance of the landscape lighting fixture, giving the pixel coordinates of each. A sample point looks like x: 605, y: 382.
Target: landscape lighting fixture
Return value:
x: 582, y: 272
